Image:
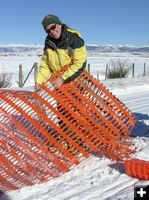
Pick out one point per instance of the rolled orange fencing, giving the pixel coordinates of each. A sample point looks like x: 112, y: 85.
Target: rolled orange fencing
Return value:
x: 46, y: 133
x: 137, y: 168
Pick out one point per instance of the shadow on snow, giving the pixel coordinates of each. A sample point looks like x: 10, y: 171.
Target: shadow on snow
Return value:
x: 141, y: 129
x: 3, y: 196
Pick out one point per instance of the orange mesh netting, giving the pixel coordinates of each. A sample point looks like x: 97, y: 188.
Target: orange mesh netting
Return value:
x: 137, y: 168
x: 46, y: 133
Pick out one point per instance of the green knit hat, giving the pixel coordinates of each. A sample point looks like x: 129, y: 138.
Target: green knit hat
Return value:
x: 50, y: 19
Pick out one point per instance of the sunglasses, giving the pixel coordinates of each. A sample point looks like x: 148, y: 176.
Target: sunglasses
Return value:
x: 50, y: 29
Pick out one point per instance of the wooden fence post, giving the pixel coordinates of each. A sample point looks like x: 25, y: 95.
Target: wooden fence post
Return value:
x: 20, y: 76
x: 97, y: 75
x: 35, y: 71
x: 106, y: 73
x: 89, y: 68
x: 133, y: 70
x: 144, y: 70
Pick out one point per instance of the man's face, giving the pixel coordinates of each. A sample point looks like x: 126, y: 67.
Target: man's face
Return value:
x: 54, y: 30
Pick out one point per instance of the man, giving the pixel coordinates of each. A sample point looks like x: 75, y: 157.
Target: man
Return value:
x: 64, y: 58
x: 64, y: 53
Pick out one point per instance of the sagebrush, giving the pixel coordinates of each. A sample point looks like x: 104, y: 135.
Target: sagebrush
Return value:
x: 5, y: 80
x: 118, y: 69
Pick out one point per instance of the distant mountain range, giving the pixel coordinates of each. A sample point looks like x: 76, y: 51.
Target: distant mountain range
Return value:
x: 119, y: 48
x: 16, y: 48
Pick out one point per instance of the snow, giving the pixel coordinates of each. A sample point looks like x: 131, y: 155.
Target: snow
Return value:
x: 97, y: 177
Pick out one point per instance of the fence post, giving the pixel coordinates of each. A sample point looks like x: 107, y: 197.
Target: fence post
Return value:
x: 20, y: 76
x: 35, y: 71
x: 106, y: 73
x: 97, y: 75
x: 89, y: 68
x: 144, y: 70
x: 133, y: 70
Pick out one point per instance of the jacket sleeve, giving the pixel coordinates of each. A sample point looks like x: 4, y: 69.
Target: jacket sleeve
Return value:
x: 79, y: 58
x: 44, y: 70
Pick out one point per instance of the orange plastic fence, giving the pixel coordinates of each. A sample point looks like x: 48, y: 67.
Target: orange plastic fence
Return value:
x: 46, y: 133
x: 137, y: 168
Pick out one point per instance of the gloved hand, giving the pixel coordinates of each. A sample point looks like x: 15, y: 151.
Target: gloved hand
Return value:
x: 57, y: 83
x: 37, y: 87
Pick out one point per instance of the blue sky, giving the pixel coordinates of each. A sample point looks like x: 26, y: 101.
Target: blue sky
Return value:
x: 99, y: 21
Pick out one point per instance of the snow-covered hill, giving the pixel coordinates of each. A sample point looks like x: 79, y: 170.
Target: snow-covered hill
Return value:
x: 17, y: 48
x: 20, y: 48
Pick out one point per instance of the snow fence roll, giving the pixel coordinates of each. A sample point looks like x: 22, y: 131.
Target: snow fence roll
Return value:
x: 45, y: 134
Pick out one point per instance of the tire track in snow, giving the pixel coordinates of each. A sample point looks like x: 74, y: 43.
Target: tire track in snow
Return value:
x: 137, y: 102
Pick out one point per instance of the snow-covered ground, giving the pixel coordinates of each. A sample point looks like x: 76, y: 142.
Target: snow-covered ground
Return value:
x: 97, y: 178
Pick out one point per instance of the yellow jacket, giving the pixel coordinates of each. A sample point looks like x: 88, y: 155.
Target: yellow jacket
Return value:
x: 69, y: 50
